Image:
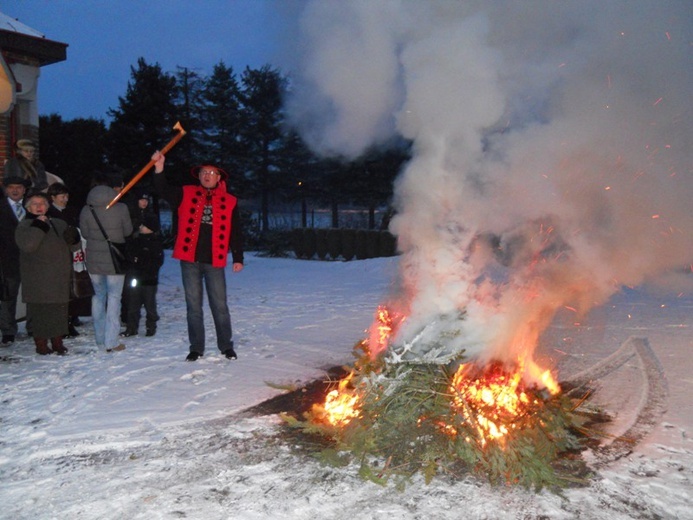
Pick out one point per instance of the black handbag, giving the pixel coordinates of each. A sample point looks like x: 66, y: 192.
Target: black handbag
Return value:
x: 118, y: 252
x: 80, y: 285
x: 119, y: 257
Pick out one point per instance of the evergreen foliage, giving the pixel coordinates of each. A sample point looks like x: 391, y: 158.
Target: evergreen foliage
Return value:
x: 237, y: 122
x: 221, y: 118
x: 189, y: 99
x: 406, y: 424
x: 73, y: 150
x: 144, y: 119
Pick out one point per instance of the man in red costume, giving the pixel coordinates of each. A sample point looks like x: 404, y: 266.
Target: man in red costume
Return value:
x: 209, y: 226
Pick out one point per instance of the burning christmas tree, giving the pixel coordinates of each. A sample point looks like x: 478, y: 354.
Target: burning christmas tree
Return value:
x: 400, y: 418
x: 549, y: 162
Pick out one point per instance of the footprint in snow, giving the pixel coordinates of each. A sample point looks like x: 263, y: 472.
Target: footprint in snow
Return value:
x: 195, y: 376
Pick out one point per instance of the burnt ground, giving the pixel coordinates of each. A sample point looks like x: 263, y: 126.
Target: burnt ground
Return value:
x: 299, y: 401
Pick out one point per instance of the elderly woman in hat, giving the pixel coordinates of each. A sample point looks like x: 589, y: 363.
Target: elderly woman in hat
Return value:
x: 45, y: 260
x: 25, y: 164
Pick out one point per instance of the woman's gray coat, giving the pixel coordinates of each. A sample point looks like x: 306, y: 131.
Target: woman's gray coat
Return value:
x: 115, y: 220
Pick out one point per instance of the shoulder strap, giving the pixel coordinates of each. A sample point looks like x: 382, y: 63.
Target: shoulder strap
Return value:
x: 99, y: 223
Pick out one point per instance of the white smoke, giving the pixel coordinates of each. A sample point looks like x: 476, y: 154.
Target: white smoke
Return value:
x: 552, y: 144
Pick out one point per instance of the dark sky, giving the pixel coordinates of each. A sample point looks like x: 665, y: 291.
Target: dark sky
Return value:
x: 106, y: 37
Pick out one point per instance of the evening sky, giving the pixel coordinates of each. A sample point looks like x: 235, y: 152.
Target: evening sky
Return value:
x: 106, y: 38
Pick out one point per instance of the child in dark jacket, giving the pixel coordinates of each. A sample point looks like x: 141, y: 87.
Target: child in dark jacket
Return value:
x: 146, y: 255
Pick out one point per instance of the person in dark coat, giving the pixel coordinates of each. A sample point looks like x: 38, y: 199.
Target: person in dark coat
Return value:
x: 59, y: 196
x: 146, y: 254
x: 209, y: 227
x: 139, y: 205
x: 25, y: 164
x: 45, y: 260
x: 108, y: 285
x: 11, y: 213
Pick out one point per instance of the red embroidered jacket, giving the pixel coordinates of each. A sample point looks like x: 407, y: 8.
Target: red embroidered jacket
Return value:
x: 190, y: 214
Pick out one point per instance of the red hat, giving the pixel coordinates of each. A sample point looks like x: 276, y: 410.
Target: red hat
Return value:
x: 195, y: 171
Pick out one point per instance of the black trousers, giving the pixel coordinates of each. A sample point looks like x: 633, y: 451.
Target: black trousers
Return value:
x: 136, y: 298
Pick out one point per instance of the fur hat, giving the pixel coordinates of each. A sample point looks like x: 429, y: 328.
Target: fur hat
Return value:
x: 24, y: 144
x: 16, y: 180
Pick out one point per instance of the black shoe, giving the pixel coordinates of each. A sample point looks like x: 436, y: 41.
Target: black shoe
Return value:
x: 7, y: 340
x: 71, y: 332
x: 230, y: 354
x: 127, y: 334
x: 193, y: 356
x: 76, y: 321
x: 150, y: 332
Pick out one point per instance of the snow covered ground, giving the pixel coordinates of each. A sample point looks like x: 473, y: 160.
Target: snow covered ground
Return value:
x: 142, y: 434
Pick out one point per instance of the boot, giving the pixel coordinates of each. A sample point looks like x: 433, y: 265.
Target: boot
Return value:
x: 72, y: 332
x: 58, y: 347
x: 42, y: 347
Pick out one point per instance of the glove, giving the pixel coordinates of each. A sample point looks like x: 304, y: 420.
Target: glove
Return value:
x: 159, y: 160
x: 71, y: 235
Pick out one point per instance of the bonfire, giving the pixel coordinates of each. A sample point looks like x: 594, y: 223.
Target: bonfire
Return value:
x: 405, y: 417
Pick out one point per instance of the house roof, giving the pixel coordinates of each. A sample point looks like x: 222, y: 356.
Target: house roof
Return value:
x: 22, y: 39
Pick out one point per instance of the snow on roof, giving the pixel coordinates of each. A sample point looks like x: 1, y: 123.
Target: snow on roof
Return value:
x: 7, y: 23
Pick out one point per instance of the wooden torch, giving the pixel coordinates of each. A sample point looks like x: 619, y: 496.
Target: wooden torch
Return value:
x: 148, y: 166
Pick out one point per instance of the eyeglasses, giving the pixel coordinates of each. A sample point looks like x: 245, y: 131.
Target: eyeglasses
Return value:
x: 209, y: 172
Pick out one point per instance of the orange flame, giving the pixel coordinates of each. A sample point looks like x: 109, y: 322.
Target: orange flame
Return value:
x: 382, y: 329
x: 493, y: 400
x: 340, y: 405
x: 490, y: 398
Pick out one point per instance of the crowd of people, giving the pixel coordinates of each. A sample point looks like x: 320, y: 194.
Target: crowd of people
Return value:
x: 44, y: 241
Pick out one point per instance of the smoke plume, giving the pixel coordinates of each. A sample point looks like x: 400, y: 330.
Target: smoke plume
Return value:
x: 552, y: 152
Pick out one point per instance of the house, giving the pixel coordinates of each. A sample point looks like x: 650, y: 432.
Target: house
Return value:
x: 23, y: 51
